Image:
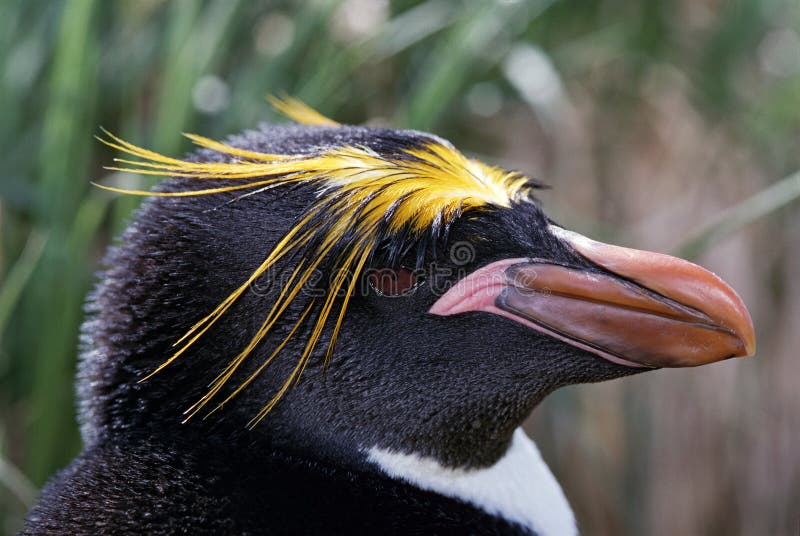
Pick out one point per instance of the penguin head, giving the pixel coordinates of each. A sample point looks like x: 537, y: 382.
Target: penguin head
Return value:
x: 350, y: 287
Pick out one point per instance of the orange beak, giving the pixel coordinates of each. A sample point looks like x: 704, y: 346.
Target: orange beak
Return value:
x: 641, y: 309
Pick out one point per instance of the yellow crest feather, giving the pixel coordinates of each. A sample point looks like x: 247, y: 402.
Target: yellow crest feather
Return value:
x: 300, y: 112
x: 359, y: 191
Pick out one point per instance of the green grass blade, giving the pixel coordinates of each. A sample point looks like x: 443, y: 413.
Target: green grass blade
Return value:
x: 739, y: 216
x: 331, y: 75
x: 470, y: 47
x: 62, y: 149
x: 197, y: 38
x: 19, y: 275
x: 17, y: 483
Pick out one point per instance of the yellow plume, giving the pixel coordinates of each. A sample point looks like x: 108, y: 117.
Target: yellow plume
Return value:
x: 300, y: 112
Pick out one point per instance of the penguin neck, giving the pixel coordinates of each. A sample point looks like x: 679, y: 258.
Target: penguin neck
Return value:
x: 463, y: 438
x: 518, y: 487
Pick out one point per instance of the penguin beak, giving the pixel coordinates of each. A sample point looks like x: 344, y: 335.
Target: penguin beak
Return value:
x: 642, y: 309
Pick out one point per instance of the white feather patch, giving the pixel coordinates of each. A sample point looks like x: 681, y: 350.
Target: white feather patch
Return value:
x: 519, y: 487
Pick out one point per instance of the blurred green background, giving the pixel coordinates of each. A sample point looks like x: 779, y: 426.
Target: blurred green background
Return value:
x: 671, y: 125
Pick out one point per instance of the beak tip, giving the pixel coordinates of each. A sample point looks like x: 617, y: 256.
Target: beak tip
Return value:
x: 749, y: 346
x: 747, y: 334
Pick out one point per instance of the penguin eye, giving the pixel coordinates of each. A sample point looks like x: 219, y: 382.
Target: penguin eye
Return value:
x: 393, y: 282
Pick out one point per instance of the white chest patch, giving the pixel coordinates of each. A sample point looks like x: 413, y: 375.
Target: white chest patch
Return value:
x: 519, y: 487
